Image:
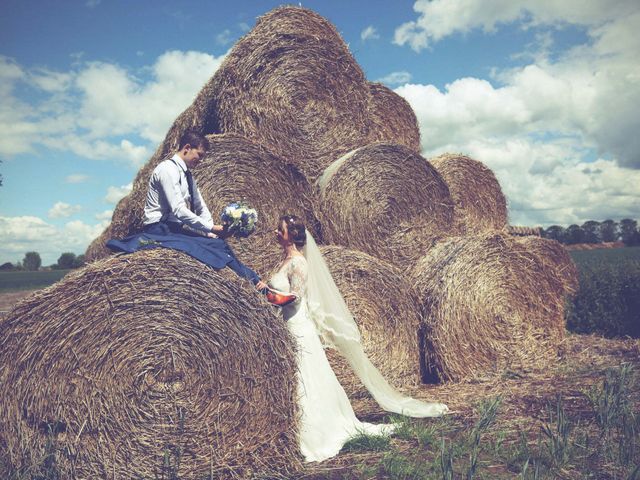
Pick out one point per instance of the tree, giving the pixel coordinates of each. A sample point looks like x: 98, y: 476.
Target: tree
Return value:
x: 31, y: 261
x: 629, y: 232
x: 79, y: 261
x: 554, y: 232
x: 574, y: 234
x: 609, y: 231
x: 66, y: 261
x: 591, y: 230
x: 7, y: 267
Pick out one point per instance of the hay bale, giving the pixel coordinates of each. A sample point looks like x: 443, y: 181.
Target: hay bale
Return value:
x: 96, y: 249
x: 554, y: 259
x: 486, y: 306
x: 480, y: 205
x: 235, y: 169
x: 385, y: 200
x: 392, y: 118
x: 146, y: 366
x: 386, y: 311
x: 292, y: 85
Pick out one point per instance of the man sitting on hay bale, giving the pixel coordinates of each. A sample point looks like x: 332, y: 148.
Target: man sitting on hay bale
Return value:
x: 176, y: 216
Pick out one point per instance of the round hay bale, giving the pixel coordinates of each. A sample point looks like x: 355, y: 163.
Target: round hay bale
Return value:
x: 292, y: 85
x: 480, y: 205
x: 385, y: 200
x: 392, y: 118
x: 554, y: 259
x: 149, y: 365
x: 386, y: 311
x: 236, y: 169
x: 486, y: 306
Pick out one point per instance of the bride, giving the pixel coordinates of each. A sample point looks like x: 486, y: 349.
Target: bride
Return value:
x: 319, y: 311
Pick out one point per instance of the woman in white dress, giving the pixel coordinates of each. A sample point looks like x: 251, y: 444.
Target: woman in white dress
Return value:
x: 327, y: 418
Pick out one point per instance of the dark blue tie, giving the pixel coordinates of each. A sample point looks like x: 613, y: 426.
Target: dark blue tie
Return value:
x: 190, y: 185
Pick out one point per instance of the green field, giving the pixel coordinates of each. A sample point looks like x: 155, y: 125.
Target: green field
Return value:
x: 586, y: 257
x: 14, y: 281
x: 608, y: 301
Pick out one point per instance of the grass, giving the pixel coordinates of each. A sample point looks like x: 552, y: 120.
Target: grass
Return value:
x: 595, y: 435
x: 16, y: 281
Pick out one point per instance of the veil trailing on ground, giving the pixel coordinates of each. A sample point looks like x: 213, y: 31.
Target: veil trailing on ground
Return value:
x: 338, y: 330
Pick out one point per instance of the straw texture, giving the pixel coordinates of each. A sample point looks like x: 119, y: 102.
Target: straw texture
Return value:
x: 392, y: 118
x: 386, y: 310
x: 292, y: 85
x: 480, y: 205
x: 141, y: 365
x: 488, y: 304
x: 238, y: 169
x: 385, y: 200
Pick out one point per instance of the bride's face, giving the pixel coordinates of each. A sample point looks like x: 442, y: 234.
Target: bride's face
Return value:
x: 282, y: 234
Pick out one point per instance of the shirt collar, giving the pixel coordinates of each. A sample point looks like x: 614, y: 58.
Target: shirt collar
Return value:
x: 180, y: 162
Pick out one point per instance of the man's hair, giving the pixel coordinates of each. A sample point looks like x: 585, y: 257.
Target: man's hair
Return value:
x: 193, y: 138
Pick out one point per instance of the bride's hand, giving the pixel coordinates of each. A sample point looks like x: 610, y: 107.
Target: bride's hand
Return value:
x: 261, y: 285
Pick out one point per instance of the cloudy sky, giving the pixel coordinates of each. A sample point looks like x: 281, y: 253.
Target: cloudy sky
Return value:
x: 546, y: 93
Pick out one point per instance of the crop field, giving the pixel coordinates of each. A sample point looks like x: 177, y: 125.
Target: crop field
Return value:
x: 16, y: 281
x: 608, y: 302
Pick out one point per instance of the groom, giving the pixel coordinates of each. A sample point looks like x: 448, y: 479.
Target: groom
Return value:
x: 176, y: 216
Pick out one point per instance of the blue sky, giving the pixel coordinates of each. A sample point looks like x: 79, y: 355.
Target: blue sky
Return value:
x: 545, y: 94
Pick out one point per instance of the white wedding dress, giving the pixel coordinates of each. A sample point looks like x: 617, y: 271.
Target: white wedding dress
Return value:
x: 327, y: 419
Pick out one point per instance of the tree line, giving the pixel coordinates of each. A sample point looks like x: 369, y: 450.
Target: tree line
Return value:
x: 591, y: 231
x: 33, y: 262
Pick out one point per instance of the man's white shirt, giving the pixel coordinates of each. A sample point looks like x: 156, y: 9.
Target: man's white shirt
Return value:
x: 168, y: 197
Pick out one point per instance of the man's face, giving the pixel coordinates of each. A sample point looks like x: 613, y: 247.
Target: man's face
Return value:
x: 193, y: 155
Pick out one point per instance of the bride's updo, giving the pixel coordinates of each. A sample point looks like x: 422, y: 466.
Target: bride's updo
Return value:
x: 295, y: 227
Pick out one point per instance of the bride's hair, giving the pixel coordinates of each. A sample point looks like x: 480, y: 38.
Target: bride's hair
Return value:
x: 295, y: 227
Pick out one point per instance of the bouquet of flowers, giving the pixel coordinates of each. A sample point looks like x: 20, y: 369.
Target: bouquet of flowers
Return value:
x: 239, y: 218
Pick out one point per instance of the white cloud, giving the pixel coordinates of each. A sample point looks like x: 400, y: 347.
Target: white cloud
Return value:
x: 19, y: 235
x: 99, y: 110
x: 224, y: 37
x: 62, y: 210
x: 561, y: 134
x: 105, y: 215
x: 76, y: 178
x: 114, y: 194
x: 440, y: 18
x: 93, y: 3
x: 395, y: 78
x: 369, y: 33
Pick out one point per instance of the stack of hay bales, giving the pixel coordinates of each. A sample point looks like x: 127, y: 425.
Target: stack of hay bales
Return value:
x: 153, y: 361
x: 143, y: 365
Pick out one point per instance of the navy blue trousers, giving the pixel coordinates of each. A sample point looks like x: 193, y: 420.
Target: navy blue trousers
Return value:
x: 212, y: 251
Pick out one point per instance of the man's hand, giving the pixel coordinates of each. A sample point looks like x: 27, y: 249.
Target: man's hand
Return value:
x: 220, y: 231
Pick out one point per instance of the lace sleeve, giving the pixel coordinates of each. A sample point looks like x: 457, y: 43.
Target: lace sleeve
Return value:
x: 297, y: 274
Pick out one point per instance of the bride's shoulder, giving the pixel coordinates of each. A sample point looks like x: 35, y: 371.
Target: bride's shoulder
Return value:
x: 298, y: 259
